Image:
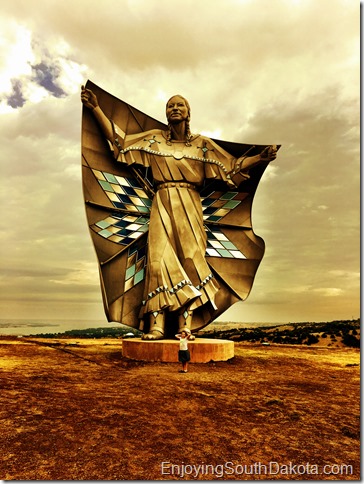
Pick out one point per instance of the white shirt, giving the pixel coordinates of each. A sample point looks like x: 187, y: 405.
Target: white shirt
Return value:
x: 183, y: 342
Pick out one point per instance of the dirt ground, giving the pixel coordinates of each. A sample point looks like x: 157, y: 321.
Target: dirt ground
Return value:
x: 76, y: 410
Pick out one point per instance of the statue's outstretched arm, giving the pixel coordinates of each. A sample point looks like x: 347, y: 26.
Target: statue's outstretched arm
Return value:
x: 242, y: 165
x: 89, y: 100
x: 267, y: 155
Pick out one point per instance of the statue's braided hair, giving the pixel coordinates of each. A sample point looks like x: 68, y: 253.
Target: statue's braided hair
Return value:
x: 189, y: 135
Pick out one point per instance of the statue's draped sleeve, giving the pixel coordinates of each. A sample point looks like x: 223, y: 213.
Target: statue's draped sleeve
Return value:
x: 219, y: 164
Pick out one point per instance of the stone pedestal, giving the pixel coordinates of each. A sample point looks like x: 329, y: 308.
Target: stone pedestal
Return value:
x: 202, y: 350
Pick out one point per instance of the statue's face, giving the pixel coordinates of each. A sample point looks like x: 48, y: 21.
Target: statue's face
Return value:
x: 176, y: 110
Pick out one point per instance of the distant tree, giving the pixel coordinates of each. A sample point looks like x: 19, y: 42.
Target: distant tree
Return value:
x: 312, y: 339
x: 351, y: 341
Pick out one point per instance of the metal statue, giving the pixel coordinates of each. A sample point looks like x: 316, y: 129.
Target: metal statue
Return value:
x: 169, y: 215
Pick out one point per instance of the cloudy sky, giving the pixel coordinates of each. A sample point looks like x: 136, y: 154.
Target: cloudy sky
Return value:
x: 254, y: 71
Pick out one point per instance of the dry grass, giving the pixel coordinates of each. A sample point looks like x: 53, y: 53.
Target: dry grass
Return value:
x: 79, y: 411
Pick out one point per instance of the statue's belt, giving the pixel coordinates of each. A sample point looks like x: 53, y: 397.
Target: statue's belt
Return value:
x: 176, y: 184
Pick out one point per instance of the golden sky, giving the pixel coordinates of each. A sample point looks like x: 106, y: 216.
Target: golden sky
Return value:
x: 254, y: 71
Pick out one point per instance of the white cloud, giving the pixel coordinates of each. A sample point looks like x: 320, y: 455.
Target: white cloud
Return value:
x: 84, y: 273
x: 329, y: 291
x: 17, y: 52
x: 212, y: 134
x: 72, y: 75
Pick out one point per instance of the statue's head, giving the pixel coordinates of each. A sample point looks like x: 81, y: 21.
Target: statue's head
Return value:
x: 178, y: 110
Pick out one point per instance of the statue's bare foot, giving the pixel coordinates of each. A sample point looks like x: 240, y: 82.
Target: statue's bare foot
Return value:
x: 153, y: 335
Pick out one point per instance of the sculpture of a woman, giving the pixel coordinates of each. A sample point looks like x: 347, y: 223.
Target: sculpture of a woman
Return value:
x: 179, y: 283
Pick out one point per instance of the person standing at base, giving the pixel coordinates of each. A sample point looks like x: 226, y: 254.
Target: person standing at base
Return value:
x: 184, y: 353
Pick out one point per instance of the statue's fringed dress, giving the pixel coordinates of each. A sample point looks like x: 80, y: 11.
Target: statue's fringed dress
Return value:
x: 177, y: 274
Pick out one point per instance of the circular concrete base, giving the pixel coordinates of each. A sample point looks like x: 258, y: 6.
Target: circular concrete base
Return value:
x: 201, y: 350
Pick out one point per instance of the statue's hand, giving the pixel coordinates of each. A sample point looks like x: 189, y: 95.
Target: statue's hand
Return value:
x: 88, y: 98
x: 269, y: 153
